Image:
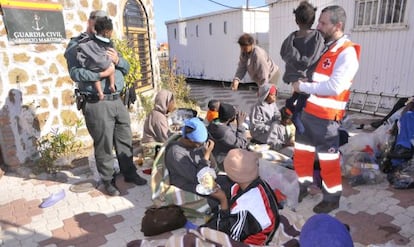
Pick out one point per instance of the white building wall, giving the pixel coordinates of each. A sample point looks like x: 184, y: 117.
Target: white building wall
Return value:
x: 386, y: 63
x: 213, y: 56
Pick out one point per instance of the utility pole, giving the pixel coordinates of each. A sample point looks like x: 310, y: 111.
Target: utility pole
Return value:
x: 179, y: 9
x: 247, y: 4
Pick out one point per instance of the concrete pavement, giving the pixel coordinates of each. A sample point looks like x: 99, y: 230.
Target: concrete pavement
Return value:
x: 376, y: 214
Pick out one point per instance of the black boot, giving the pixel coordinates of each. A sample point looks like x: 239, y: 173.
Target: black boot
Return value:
x: 135, y: 179
x: 329, y: 202
x: 325, y: 207
x: 110, y: 188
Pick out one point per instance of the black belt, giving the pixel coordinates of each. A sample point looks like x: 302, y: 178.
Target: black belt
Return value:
x: 91, y: 98
x: 111, y: 96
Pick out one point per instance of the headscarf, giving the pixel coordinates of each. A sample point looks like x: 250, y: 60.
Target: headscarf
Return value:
x: 323, y: 230
x: 162, y: 99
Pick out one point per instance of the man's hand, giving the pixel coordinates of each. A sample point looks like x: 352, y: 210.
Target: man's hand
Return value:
x: 209, y: 146
x: 295, y: 86
x: 235, y: 84
x: 241, y: 117
x: 110, y: 70
x: 111, y: 52
x: 221, y: 196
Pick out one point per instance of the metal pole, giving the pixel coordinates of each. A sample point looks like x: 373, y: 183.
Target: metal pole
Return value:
x: 247, y: 4
x: 179, y: 9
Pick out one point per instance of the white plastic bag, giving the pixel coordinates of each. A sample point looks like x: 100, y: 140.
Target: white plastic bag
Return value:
x: 281, y: 178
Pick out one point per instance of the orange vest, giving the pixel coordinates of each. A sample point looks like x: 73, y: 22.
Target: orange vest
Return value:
x: 329, y: 107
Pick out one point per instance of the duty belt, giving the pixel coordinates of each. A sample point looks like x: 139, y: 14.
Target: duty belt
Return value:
x: 94, y: 98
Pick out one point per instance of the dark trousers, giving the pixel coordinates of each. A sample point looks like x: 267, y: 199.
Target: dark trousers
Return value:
x: 297, y: 109
x: 109, y: 125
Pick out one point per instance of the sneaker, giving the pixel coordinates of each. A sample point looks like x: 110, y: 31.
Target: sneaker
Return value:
x: 325, y: 207
x: 135, y: 180
x: 110, y: 188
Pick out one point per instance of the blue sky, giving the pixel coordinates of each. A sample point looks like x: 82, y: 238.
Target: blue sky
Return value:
x: 166, y: 10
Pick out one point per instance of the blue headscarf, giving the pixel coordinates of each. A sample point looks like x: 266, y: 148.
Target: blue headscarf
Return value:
x: 199, y: 133
x: 323, y: 230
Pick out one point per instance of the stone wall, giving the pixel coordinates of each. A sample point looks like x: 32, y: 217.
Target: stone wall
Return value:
x: 36, y: 93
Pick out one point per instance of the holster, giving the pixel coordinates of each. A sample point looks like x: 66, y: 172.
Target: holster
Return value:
x: 80, y: 99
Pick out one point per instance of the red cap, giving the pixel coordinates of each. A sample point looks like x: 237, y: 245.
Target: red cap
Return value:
x: 273, y: 90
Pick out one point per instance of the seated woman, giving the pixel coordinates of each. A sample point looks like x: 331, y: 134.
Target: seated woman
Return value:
x: 156, y: 127
x: 225, y: 136
x: 250, y: 213
x: 266, y: 125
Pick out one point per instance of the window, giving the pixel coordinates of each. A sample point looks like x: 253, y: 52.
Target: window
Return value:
x: 380, y: 13
x: 210, y: 28
x: 197, y: 31
x: 175, y: 33
x: 137, y: 32
x: 185, y: 32
x: 225, y: 27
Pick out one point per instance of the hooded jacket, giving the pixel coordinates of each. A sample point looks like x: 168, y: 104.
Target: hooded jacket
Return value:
x: 301, y: 55
x: 156, y: 127
x: 226, y: 137
x: 265, y: 126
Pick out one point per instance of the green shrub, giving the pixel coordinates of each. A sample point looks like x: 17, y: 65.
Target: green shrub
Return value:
x: 128, y: 53
x: 177, y: 85
x: 56, y: 145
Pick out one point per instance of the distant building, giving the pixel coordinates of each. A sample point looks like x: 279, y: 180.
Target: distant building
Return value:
x: 163, y: 50
x: 205, y: 46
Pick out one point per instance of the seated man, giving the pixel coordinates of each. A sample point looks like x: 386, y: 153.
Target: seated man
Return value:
x: 250, y: 214
x: 224, y: 135
x: 266, y: 126
x: 185, y: 157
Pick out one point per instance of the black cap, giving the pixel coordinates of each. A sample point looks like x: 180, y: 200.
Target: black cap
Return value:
x: 226, y: 112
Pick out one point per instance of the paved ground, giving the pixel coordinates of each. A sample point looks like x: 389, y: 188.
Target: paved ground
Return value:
x: 377, y: 214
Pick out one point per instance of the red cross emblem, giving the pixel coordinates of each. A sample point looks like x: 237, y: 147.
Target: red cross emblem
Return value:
x: 327, y: 63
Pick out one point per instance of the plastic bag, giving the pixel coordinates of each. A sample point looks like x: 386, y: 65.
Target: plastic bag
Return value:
x: 362, y: 168
x: 281, y: 178
x: 376, y: 140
